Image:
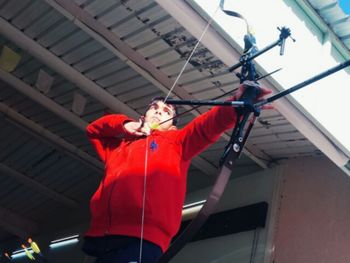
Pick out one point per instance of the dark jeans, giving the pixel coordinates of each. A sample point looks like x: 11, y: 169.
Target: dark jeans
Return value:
x: 121, y: 249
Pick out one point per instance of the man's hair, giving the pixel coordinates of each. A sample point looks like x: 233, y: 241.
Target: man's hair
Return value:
x: 161, y: 98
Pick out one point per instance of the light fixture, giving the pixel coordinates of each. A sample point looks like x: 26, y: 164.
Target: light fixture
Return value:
x: 44, y: 81
x: 194, y: 204
x: 9, y: 59
x: 190, y: 210
x: 21, y: 253
x: 64, y: 241
x: 79, y: 103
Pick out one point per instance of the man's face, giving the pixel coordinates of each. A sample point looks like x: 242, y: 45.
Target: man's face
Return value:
x: 159, y: 112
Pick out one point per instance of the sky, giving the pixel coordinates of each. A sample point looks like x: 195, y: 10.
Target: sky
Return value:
x: 345, y: 5
x: 326, y: 100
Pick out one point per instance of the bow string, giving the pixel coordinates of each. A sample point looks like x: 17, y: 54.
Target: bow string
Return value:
x: 147, y: 141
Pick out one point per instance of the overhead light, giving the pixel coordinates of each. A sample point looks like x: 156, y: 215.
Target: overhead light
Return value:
x: 190, y: 210
x: 79, y: 103
x: 9, y: 59
x: 44, y: 81
x: 194, y: 204
x: 64, y: 241
x: 21, y: 253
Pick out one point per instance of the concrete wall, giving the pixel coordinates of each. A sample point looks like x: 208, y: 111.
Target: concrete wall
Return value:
x: 313, y: 223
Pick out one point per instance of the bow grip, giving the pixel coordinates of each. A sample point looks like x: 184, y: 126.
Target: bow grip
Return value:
x: 249, y: 97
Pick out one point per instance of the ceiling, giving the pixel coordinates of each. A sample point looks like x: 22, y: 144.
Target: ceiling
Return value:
x: 78, y: 60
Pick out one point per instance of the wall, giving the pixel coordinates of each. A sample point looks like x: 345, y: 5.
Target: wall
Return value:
x: 313, y: 223
x: 257, y: 187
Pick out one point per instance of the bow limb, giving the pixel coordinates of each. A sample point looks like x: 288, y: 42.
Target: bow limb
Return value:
x: 235, y: 14
x: 201, y: 217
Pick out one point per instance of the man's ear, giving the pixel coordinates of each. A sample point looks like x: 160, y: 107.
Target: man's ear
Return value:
x: 172, y: 128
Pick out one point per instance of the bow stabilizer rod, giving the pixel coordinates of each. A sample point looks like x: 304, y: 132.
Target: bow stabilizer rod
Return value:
x: 304, y: 83
x: 206, y: 103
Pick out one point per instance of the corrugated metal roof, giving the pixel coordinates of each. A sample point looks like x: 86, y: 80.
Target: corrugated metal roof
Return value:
x: 334, y: 16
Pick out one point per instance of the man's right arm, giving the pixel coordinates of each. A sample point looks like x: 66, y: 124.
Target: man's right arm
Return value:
x: 104, y: 129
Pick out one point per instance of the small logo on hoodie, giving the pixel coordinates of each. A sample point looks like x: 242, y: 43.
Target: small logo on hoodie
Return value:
x: 153, y: 146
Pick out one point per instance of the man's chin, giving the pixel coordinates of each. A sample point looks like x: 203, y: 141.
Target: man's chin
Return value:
x: 154, y: 125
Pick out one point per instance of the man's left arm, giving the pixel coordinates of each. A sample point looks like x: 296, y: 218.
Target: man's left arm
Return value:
x: 207, y: 128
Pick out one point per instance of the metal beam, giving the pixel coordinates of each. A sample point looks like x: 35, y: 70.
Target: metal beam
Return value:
x: 195, y: 25
x: 48, y: 137
x: 45, y: 56
x: 112, y: 42
x: 41, y: 99
x: 23, y: 179
x: 301, y: 121
x: 16, y: 224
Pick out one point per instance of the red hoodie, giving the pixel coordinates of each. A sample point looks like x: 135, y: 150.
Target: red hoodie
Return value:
x: 116, y: 206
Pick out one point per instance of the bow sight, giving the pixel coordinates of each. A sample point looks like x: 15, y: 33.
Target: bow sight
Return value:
x: 251, y: 52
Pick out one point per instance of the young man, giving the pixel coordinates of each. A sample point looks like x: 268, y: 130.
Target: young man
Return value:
x: 140, y: 198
